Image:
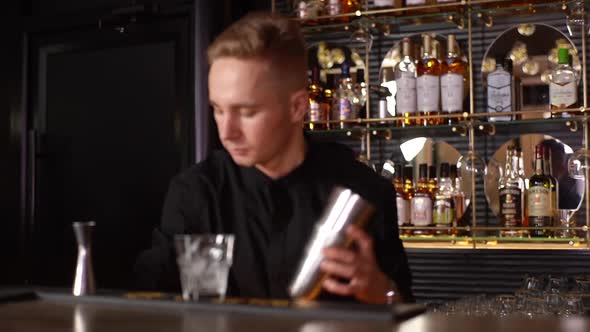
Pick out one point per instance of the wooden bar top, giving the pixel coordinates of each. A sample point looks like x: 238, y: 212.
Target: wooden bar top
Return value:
x: 60, y: 313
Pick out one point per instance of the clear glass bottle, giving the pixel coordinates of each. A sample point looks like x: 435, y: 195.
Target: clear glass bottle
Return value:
x: 563, y: 86
x: 343, y: 100
x: 540, y: 212
x: 499, y: 86
x: 422, y: 203
x: 510, y: 187
x: 452, y: 82
x: 428, y: 82
x: 405, y: 81
x: 316, y: 113
x: 443, y: 213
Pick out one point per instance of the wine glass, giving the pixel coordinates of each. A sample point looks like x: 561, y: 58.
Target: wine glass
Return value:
x: 471, y: 163
x: 577, y: 164
x: 575, y: 17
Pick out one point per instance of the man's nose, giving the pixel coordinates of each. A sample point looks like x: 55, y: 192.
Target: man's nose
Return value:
x: 229, y: 127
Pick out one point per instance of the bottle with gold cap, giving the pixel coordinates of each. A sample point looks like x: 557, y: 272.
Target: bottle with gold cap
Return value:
x: 452, y: 82
x: 405, y: 80
x: 428, y: 82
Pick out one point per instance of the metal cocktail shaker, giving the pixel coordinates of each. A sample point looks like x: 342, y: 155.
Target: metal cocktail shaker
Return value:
x: 344, y: 208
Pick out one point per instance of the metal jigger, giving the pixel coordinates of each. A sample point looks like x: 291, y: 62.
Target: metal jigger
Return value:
x: 84, y: 279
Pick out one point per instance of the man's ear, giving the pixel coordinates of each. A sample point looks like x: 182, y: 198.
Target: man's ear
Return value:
x: 299, y: 103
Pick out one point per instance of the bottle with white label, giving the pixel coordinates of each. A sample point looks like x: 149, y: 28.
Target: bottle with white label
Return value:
x: 343, y: 107
x: 405, y: 81
x: 452, y: 82
x: 539, y: 202
x: 499, y: 85
x: 422, y: 204
x: 563, y: 87
x: 428, y: 83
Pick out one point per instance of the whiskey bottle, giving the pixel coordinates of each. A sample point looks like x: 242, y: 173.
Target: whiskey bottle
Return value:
x: 432, y: 181
x: 539, y: 197
x: 443, y: 213
x: 452, y: 82
x: 499, y: 85
x: 422, y: 204
x: 316, y: 113
x: 405, y: 81
x: 343, y: 100
x: 459, y: 201
x: 403, y: 201
x: 510, y: 187
x: 563, y: 88
x: 428, y: 82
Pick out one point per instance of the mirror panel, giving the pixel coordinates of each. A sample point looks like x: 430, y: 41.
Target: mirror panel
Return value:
x: 571, y: 191
x: 533, y: 51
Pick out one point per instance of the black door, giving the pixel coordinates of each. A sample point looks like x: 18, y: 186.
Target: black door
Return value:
x: 110, y: 121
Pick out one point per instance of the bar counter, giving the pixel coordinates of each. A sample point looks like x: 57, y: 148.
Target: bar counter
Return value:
x: 57, y: 312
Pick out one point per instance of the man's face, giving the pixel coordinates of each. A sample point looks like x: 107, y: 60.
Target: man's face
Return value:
x: 252, y: 112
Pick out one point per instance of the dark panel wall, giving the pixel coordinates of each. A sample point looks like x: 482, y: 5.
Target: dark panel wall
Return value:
x: 10, y: 122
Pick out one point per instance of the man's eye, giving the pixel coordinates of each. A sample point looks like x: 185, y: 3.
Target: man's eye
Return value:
x: 248, y: 112
x: 217, y: 111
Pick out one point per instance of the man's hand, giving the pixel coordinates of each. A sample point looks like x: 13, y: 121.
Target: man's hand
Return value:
x: 366, y: 281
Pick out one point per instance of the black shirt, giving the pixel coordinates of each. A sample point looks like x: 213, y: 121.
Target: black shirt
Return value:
x: 271, y: 219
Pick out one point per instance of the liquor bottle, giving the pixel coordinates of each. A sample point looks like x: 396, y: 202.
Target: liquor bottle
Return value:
x: 443, y: 213
x: 452, y: 80
x: 540, y: 212
x: 428, y: 82
x: 339, y: 7
x: 432, y: 182
x: 403, y: 201
x: 563, y: 87
x: 499, y: 92
x: 405, y: 81
x: 422, y: 204
x: 328, y: 100
x: 510, y: 187
x: 389, y: 3
x: 316, y: 113
x: 307, y: 11
x: 547, y: 170
x: 342, y: 103
x: 459, y: 201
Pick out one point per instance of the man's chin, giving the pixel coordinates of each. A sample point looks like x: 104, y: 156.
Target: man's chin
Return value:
x: 243, y: 161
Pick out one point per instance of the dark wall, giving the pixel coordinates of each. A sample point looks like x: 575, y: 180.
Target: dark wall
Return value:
x: 10, y: 124
x: 23, y: 23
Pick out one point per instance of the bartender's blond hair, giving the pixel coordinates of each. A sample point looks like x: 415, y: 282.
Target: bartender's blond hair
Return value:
x: 268, y: 37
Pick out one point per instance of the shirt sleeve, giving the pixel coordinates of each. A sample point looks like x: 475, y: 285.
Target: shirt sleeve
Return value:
x: 186, y: 210
x: 389, y: 250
